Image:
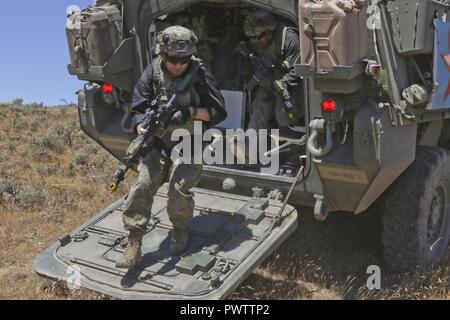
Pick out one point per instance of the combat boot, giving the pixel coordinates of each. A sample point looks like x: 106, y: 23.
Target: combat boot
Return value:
x: 133, y: 253
x: 180, y: 241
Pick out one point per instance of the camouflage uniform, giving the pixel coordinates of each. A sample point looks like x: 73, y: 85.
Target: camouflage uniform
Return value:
x: 202, y: 92
x: 283, y: 52
x: 183, y: 177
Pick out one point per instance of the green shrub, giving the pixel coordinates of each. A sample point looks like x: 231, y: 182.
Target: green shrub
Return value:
x: 42, y: 118
x: 51, y: 141
x: 18, y: 121
x: 31, y: 197
x: 81, y: 158
x: 17, y: 102
x: 64, y: 132
x: 9, y: 186
x: 99, y: 160
x: 38, y: 109
x: 16, y: 109
x: 47, y: 142
x: 57, y: 130
x: 48, y: 170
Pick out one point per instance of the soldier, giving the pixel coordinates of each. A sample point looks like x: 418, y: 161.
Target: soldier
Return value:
x: 200, y: 101
x: 280, y: 45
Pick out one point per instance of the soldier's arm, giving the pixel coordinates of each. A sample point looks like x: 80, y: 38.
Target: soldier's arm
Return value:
x: 142, y: 96
x: 291, y: 56
x: 212, y: 108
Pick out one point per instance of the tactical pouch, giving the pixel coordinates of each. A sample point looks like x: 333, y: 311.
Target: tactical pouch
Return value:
x: 135, y: 146
x: 93, y: 35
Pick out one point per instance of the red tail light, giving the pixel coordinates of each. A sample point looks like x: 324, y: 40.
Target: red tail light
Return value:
x: 329, y: 106
x: 108, y: 88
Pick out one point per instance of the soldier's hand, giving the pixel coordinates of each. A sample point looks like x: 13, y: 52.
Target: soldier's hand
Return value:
x: 280, y: 86
x: 181, y: 116
x: 140, y: 130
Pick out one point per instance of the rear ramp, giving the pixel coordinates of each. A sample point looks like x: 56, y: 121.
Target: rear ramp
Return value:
x: 229, y: 237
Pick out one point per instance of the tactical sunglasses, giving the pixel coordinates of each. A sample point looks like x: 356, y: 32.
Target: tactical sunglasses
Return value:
x: 259, y: 36
x: 178, y: 60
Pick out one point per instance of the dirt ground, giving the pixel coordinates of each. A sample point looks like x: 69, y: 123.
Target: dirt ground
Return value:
x: 53, y: 178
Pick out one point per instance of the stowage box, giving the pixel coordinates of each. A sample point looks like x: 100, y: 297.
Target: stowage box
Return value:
x: 93, y: 36
x: 339, y: 33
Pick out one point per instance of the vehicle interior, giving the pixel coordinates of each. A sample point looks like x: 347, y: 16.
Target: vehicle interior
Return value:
x: 219, y: 28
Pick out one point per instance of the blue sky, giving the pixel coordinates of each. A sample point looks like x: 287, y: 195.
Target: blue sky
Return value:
x: 34, y: 53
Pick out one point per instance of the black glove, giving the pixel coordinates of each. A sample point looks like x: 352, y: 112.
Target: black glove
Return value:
x: 284, y: 95
x: 181, y: 116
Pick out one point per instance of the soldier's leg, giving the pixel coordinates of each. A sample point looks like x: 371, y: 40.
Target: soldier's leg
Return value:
x: 138, y: 207
x: 180, y: 206
x: 261, y: 117
x: 261, y: 113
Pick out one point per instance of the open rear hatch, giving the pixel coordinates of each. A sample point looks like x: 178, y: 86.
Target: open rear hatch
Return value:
x: 229, y: 237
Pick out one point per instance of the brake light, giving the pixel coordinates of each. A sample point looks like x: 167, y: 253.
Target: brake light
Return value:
x: 108, y: 88
x: 329, y: 106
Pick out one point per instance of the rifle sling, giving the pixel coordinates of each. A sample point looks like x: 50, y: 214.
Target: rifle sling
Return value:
x: 182, y: 85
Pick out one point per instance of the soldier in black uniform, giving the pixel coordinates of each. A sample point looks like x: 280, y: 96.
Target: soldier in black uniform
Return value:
x: 200, y: 101
x: 280, y: 45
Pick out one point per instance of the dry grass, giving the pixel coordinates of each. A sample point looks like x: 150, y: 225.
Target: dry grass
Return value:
x: 53, y: 178
x: 49, y: 190
x: 329, y: 260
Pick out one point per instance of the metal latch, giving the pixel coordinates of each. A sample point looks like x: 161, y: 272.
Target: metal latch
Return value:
x: 80, y: 236
x: 110, y: 240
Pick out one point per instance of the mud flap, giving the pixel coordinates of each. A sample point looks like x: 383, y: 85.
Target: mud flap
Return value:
x: 229, y: 238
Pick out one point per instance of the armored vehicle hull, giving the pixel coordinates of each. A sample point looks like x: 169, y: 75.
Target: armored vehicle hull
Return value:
x: 376, y: 132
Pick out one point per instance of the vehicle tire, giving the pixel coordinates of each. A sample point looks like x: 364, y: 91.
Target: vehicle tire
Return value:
x: 416, y: 220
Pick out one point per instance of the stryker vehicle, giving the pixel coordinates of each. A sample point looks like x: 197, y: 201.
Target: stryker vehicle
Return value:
x: 376, y: 88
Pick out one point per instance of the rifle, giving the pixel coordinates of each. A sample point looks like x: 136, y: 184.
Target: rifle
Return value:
x: 263, y: 70
x: 156, y: 121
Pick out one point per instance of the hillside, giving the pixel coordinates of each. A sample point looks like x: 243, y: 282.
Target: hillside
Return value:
x: 53, y: 178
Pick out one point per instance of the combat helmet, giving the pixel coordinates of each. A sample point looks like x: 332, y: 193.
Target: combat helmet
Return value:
x: 177, y: 40
x: 259, y: 22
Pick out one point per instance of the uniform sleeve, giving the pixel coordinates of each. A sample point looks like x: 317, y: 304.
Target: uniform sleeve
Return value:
x: 142, y: 96
x: 211, y: 97
x: 291, y: 56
